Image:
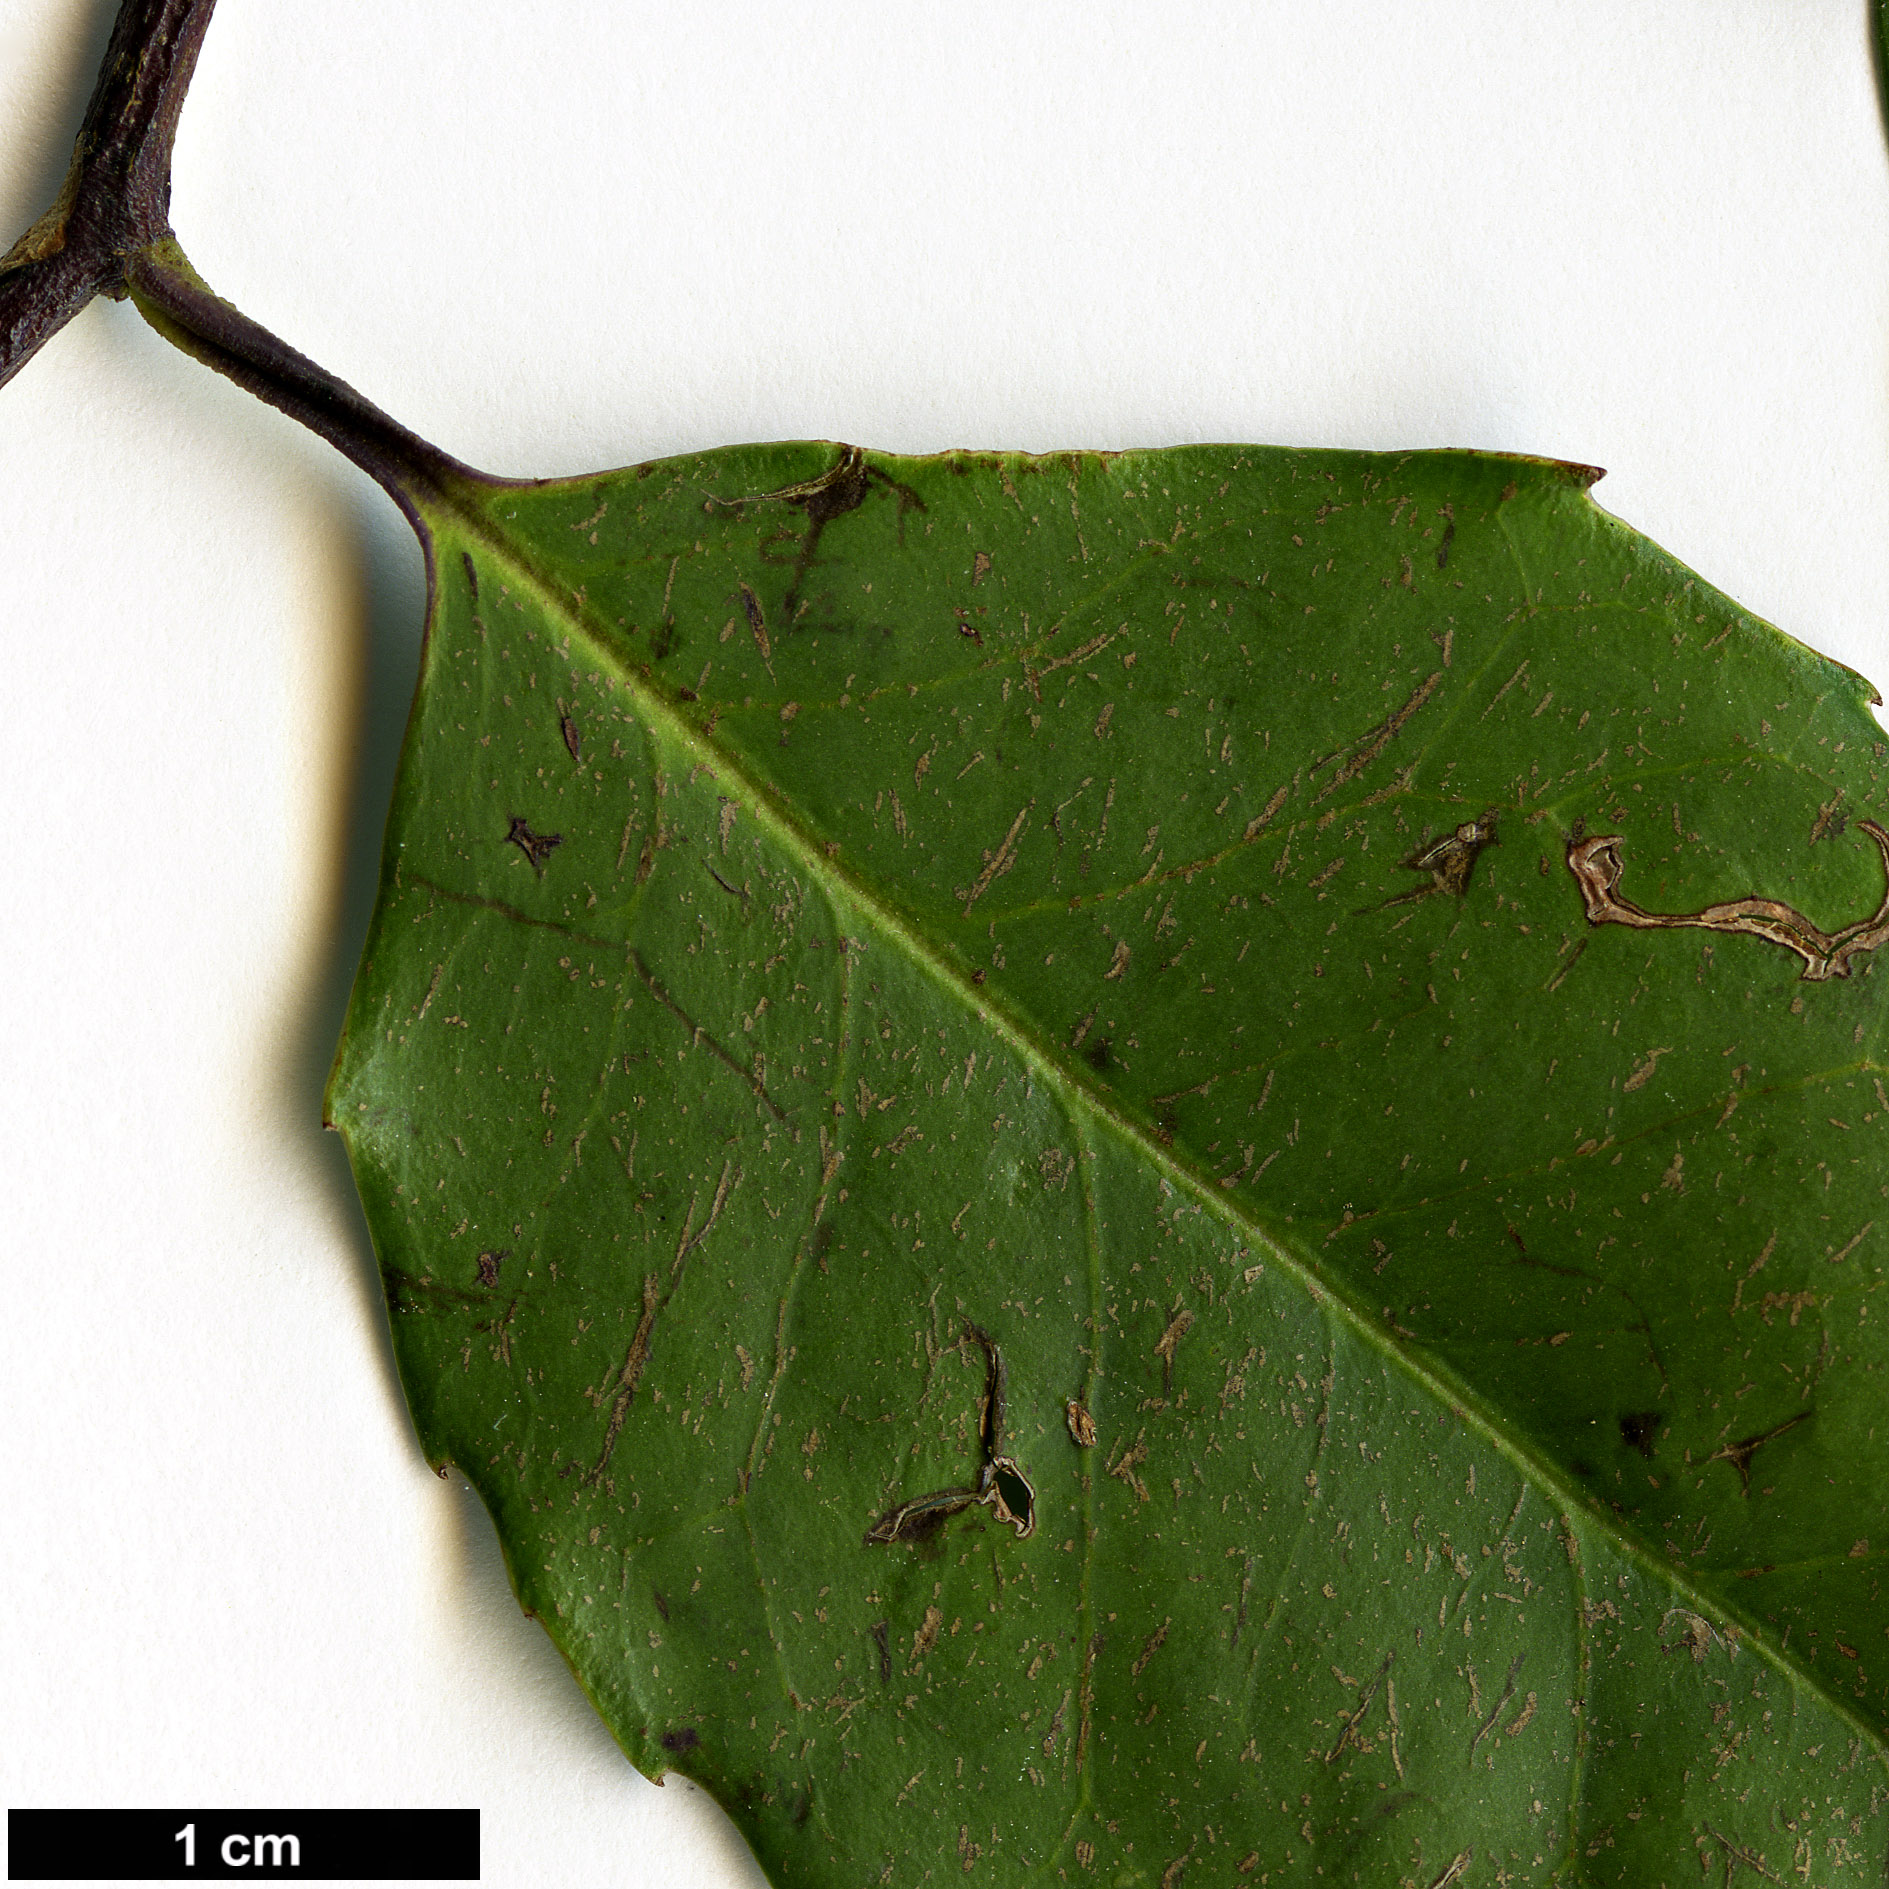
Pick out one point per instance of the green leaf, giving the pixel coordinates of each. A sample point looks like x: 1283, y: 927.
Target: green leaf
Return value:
x: 1151, y: 1163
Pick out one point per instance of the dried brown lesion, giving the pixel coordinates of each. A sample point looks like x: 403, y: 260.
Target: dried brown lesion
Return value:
x: 1448, y: 861
x: 1001, y: 1485
x: 1595, y: 863
x: 920, y: 1518
x: 1739, y: 1454
x: 536, y: 847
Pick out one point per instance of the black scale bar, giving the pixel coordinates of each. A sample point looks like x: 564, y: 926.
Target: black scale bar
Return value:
x: 185, y: 1845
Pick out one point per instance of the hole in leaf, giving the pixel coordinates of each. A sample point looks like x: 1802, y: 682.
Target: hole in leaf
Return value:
x: 1010, y: 1497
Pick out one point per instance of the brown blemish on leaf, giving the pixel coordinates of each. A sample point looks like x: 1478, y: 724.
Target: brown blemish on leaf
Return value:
x: 1697, y: 1635
x: 1123, y: 1467
x: 573, y: 738
x: 1736, y: 1856
x: 1094, y: 646
x: 1757, y: 1266
x: 1739, y: 1454
x: 998, y: 863
x: 1644, y: 1073
x: 1508, y: 1692
x: 1595, y: 864
x: 1081, y: 1425
x: 1366, y: 1695
x: 837, y: 491
x: 1169, y: 1342
x: 1375, y: 740
x: 688, y: 1242
x: 406, y: 1293
x: 1265, y: 814
x: 1831, y: 819
x: 1449, y: 860
x: 536, y: 847
x: 655, y: 1297
x: 489, y: 1264
x: 1055, y: 1731
x: 1239, y: 1618
x: 1452, y: 1871
x: 1503, y: 690
x: 683, y: 1738
x: 833, y: 494
x: 631, y: 1374
x: 919, y: 1519
x: 757, y: 624
x: 1151, y: 1646
x: 1838, y: 1257
x: 927, y: 1635
x: 1573, y: 958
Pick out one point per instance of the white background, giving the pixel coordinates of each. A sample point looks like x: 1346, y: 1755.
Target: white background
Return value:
x: 557, y: 236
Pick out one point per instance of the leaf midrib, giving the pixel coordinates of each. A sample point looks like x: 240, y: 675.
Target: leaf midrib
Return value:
x: 452, y: 517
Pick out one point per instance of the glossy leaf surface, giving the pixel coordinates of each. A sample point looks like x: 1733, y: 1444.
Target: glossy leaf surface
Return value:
x: 1164, y: 1165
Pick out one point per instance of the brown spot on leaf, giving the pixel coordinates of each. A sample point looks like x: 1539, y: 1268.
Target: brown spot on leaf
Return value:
x: 1739, y: 1454
x: 1644, y: 1073
x: 757, y: 623
x: 1123, y: 1467
x: 927, y: 1635
x: 1375, y: 740
x: 1151, y: 1646
x: 536, y: 847
x: 919, y: 1519
x: 1169, y: 1342
x: 1449, y: 860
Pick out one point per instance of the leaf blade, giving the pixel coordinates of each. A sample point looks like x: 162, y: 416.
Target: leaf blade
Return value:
x: 711, y: 575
